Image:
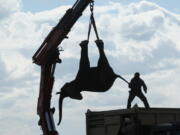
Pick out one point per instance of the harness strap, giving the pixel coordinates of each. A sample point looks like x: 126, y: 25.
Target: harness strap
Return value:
x: 89, y: 30
x: 94, y: 26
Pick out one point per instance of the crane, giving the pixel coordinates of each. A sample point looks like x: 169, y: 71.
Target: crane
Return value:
x: 47, y: 56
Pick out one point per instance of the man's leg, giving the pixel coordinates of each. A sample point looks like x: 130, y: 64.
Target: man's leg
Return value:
x: 143, y: 98
x: 130, y: 99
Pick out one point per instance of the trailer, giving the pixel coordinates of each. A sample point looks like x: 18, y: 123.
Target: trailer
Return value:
x: 134, y: 121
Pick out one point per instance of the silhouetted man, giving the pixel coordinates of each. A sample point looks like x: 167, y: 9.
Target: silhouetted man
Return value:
x: 135, y: 85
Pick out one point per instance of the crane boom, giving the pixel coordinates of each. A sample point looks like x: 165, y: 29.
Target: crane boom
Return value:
x: 60, y: 31
x: 47, y: 56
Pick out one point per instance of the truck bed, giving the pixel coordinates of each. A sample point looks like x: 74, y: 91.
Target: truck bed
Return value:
x: 109, y: 122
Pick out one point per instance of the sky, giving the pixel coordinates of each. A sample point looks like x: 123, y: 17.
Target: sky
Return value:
x: 35, y: 6
x: 139, y: 36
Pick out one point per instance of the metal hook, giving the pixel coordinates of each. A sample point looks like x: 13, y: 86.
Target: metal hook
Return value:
x: 92, y: 5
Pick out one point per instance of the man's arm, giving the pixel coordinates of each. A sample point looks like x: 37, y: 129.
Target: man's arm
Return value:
x: 130, y: 84
x: 144, y: 86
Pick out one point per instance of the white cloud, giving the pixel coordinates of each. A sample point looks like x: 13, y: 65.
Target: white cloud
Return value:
x: 17, y: 65
x: 137, y: 34
x: 8, y: 7
x: 138, y: 37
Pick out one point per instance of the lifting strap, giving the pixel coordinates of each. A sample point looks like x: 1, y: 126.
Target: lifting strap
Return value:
x: 92, y: 22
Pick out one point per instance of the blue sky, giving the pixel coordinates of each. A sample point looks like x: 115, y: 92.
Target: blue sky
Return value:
x: 39, y: 5
x: 141, y: 36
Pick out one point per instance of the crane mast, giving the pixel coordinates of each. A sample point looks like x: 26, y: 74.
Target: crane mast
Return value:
x: 47, y: 56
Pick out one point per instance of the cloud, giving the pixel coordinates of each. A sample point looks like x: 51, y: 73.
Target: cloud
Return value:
x: 2, y: 69
x: 137, y: 34
x: 138, y: 37
x: 8, y: 7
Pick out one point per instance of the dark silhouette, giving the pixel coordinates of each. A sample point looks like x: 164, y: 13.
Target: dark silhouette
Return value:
x: 94, y: 79
x: 135, y: 85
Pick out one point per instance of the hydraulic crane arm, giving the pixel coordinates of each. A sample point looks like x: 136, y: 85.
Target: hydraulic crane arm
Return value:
x: 60, y: 31
x: 47, y: 56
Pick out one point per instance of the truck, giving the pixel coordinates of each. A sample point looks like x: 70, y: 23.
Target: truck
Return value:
x: 134, y: 121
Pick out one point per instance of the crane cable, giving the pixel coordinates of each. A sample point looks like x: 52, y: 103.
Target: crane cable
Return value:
x: 92, y: 22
